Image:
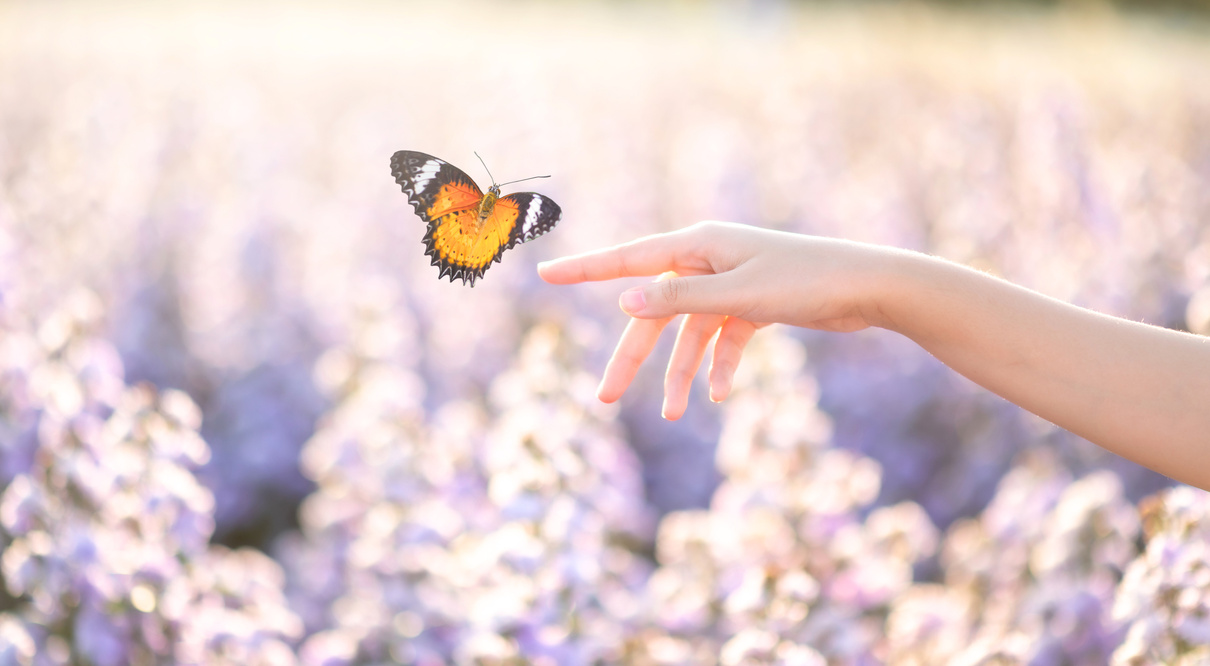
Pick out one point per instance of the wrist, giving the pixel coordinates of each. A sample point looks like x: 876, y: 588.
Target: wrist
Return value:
x: 899, y: 278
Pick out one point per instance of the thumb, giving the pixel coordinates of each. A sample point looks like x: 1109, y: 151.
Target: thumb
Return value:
x: 671, y: 295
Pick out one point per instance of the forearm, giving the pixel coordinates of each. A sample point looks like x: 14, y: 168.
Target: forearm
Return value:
x: 1140, y: 391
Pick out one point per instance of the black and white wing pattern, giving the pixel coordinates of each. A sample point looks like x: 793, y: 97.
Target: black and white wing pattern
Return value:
x: 537, y: 214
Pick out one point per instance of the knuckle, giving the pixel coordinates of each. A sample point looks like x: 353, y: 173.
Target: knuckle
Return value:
x: 621, y: 265
x: 629, y: 362
x: 697, y: 335
x: 722, y: 368
x: 707, y: 239
x: 704, y: 231
x: 672, y: 290
x: 679, y: 376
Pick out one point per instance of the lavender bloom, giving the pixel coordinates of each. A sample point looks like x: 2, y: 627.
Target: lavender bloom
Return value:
x: 106, y: 531
x: 1163, y: 596
x: 783, y: 566
x: 1032, y: 580
x: 495, y: 533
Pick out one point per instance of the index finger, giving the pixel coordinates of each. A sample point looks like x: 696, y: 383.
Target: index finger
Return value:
x: 650, y: 255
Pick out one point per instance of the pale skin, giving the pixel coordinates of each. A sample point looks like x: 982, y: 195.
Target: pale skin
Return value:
x: 1140, y: 391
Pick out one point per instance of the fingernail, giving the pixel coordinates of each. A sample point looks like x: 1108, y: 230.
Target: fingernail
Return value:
x: 719, y: 390
x: 633, y: 300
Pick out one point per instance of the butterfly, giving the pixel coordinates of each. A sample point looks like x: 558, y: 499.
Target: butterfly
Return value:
x: 467, y: 229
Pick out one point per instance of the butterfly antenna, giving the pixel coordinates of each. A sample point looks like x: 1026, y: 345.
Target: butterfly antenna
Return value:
x: 518, y: 181
x: 489, y: 171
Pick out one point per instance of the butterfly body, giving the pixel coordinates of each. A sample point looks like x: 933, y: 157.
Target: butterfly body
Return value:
x: 488, y: 204
x: 468, y: 230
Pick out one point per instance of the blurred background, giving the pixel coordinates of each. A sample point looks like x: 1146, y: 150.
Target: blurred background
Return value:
x: 235, y: 393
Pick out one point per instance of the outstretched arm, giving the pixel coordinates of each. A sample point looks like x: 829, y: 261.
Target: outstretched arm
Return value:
x: 1140, y: 391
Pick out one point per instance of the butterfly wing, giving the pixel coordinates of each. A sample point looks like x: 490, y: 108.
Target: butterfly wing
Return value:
x: 448, y: 201
x: 536, y: 215
x: 434, y: 187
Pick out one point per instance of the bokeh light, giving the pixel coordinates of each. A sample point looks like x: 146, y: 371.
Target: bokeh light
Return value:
x: 243, y: 422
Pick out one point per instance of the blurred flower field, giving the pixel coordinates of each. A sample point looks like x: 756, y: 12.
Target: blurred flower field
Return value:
x: 243, y: 422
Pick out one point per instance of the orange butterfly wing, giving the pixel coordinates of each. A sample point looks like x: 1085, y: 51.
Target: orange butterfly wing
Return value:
x: 467, y: 249
x: 453, y: 196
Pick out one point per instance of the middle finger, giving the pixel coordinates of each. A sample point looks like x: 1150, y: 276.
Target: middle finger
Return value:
x: 691, y: 341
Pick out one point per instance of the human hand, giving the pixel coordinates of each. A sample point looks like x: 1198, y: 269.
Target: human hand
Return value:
x: 1138, y: 390
x: 728, y: 279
